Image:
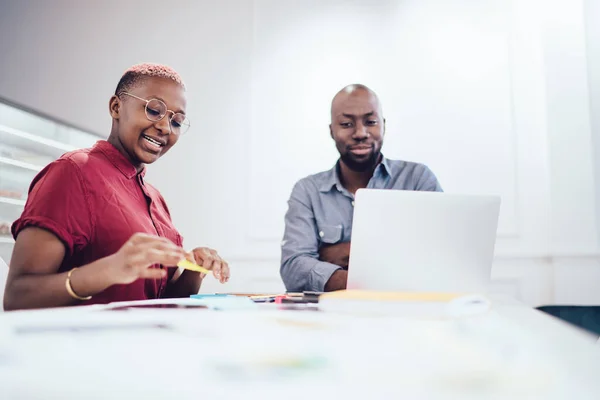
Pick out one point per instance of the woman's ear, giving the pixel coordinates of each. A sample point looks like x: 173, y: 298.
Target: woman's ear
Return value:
x: 114, y: 107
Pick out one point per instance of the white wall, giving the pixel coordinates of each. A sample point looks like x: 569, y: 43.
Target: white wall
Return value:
x: 493, y: 95
x: 441, y: 70
x: 592, y: 27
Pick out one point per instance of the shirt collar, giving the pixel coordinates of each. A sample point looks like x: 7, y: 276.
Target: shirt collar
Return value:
x: 118, y: 160
x: 385, y: 166
x: 332, y: 178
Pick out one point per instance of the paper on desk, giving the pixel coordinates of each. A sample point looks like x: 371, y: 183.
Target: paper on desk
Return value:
x: 213, y: 302
x: 407, y: 304
x: 227, y: 303
x: 182, y: 302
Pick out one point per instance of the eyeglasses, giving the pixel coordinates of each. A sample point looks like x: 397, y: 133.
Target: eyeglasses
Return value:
x: 156, y: 110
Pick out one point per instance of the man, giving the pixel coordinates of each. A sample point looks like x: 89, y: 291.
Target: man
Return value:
x: 318, y: 223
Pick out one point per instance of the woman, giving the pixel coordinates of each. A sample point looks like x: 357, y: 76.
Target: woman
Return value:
x: 93, y: 231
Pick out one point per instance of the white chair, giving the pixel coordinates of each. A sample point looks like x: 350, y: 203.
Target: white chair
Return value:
x: 3, y: 275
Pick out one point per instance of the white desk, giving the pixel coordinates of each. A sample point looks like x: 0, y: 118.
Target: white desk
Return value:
x: 509, y: 352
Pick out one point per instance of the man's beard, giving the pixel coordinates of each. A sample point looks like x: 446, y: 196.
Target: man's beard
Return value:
x: 362, y: 165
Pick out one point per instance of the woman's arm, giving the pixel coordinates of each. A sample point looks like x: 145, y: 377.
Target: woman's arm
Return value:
x: 33, y: 281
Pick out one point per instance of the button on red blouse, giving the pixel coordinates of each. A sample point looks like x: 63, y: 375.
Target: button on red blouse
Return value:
x: 93, y: 200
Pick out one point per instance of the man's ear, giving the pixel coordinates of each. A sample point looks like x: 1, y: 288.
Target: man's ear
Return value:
x: 383, y: 127
x: 330, y: 131
x: 114, y: 107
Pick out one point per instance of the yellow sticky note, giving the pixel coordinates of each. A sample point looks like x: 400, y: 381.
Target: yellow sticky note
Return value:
x: 192, y: 267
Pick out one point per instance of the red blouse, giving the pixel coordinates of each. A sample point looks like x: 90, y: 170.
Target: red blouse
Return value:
x: 93, y: 200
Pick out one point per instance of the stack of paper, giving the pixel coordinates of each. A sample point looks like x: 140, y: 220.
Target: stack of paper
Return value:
x: 409, y: 304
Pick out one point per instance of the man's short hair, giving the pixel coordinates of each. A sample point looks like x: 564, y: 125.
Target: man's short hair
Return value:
x: 136, y: 73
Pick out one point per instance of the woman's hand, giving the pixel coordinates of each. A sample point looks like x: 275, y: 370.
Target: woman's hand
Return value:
x: 209, y: 259
x: 135, y: 258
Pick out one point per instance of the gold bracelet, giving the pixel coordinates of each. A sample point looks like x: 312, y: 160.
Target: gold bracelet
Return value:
x: 70, y: 289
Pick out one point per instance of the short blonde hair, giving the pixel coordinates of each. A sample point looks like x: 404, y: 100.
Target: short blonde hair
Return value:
x: 134, y: 74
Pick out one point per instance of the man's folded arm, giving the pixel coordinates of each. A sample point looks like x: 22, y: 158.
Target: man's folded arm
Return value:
x: 300, y: 266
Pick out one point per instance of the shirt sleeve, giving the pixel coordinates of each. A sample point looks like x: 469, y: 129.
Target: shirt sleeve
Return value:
x: 300, y: 266
x: 59, y: 203
x: 428, y: 182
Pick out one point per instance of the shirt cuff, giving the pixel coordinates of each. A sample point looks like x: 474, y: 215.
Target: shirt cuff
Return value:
x: 320, y: 274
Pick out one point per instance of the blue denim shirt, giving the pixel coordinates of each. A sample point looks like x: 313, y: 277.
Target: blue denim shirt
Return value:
x: 320, y: 212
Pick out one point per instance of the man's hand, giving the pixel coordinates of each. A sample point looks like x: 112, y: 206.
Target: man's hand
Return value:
x: 338, y: 254
x: 337, y: 281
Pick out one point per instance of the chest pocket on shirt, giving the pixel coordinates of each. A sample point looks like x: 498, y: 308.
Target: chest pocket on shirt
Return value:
x: 330, y: 234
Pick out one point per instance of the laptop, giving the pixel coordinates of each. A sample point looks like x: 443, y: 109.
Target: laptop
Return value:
x: 422, y: 241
